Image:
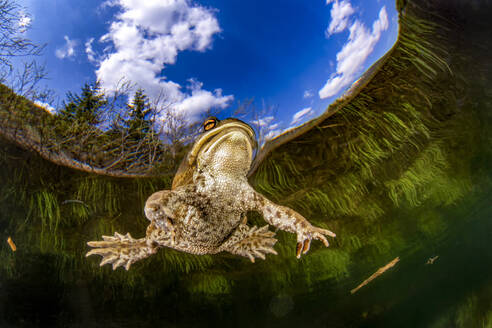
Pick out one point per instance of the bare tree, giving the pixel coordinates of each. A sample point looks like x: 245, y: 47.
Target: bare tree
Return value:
x: 261, y: 118
x: 177, y: 130
x: 18, y: 66
x: 99, y: 133
x: 13, y: 23
x: 111, y: 135
x: 91, y: 133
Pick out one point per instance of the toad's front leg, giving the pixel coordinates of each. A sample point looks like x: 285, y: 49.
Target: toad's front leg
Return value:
x: 124, y: 250
x: 289, y: 220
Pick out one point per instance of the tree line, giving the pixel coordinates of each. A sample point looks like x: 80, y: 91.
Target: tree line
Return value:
x: 115, y: 134
x: 120, y: 132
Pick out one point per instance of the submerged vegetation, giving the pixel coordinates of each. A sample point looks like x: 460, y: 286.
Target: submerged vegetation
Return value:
x: 407, y: 142
x: 384, y: 173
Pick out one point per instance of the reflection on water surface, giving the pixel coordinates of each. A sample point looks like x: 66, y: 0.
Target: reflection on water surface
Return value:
x: 434, y: 215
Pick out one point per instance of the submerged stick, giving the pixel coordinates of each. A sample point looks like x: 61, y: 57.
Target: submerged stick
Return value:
x: 376, y: 274
x: 432, y: 259
x: 11, y: 244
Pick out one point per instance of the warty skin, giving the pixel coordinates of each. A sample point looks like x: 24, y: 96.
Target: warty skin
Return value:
x: 205, y: 211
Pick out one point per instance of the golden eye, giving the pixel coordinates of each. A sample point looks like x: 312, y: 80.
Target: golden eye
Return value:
x: 210, y: 123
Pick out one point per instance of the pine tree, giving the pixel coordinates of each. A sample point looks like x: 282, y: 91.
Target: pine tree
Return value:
x: 139, y: 123
x: 86, y: 108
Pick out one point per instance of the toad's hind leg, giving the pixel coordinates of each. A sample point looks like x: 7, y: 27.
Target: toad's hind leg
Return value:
x: 250, y: 242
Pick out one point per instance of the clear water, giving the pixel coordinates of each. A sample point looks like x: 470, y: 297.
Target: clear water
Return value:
x: 47, y: 282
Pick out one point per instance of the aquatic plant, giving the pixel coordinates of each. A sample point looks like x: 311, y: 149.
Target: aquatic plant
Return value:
x: 413, y: 141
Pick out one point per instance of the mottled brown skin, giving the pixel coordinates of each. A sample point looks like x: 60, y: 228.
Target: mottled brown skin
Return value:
x: 205, y: 211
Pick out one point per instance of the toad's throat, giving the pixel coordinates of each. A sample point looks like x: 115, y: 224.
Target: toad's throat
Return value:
x: 236, y: 140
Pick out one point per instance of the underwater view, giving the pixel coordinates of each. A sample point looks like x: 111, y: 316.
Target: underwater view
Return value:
x: 366, y: 201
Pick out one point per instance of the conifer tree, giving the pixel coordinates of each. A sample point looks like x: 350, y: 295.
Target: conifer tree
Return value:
x: 86, y: 108
x: 139, y: 123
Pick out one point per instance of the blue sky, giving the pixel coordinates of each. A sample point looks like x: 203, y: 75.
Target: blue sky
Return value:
x: 295, y: 56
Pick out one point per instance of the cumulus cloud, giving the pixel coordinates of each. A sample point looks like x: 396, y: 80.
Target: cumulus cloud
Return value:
x: 68, y: 50
x: 340, y: 13
x: 145, y: 37
x: 201, y: 99
x: 303, y: 113
x: 351, y: 58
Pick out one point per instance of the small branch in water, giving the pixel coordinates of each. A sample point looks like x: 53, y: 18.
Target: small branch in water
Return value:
x: 432, y: 259
x: 11, y: 244
x: 376, y: 274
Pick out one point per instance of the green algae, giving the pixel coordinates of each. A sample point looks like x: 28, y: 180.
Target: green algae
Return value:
x: 378, y: 173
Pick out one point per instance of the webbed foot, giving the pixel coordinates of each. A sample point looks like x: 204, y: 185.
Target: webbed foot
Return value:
x: 252, y: 242
x: 120, y: 250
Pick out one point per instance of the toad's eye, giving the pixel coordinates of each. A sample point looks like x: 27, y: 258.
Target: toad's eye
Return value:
x: 210, y: 123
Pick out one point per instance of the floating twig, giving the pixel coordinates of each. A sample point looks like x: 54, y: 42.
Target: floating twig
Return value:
x: 11, y: 244
x: 376, y: 274
x: 432, y: 259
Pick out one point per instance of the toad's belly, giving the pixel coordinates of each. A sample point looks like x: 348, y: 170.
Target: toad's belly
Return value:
x: 207, y: 234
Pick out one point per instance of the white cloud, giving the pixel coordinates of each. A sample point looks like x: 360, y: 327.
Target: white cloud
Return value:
x: 91, y: 55
x: 351, y: 58
x: 307, y: 94
x: 266, y: 128
x: 263, y: 122
x: 148, y: 35
x: 68, y: 50
x: 297, y: 117
x: 273, y: 133
x: 50, y: 109
x: 202, y: 99
x: 340, y: 13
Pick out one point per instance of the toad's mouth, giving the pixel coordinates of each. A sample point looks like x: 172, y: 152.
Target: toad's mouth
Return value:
x: 228, y: 129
